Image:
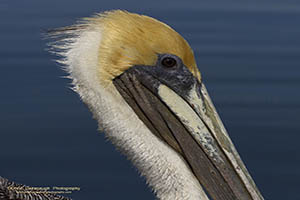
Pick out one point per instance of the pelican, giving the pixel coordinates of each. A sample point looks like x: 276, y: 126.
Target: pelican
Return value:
x: 140, y: 80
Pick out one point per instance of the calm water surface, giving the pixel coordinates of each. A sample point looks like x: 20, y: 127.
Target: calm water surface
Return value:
x: 249, y: 56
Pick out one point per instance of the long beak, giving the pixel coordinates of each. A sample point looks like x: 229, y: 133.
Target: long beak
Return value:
x: 176, y: 107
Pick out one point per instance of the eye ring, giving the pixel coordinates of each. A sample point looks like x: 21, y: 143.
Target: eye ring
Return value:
x: 168, y: 62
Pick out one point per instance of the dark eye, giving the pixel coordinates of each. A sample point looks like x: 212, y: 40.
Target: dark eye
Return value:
x: 168, y: 62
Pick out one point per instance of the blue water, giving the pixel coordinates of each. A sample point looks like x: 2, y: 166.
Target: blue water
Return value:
x: 249, y: 56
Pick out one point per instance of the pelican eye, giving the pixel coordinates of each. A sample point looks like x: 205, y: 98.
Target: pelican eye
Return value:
x: 168, y: 62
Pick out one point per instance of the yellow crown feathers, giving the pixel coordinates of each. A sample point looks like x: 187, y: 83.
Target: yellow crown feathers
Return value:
x: 129, y: 39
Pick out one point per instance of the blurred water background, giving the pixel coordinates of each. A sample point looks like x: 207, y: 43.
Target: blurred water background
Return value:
x: 249, y: 56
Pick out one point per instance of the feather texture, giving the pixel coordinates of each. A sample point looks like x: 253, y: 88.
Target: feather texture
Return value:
x: 100, y: 48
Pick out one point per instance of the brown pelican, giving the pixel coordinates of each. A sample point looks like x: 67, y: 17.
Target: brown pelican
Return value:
x: 141, y: 82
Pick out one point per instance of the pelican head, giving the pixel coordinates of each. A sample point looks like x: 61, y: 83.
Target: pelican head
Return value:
x: 140, y: 80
